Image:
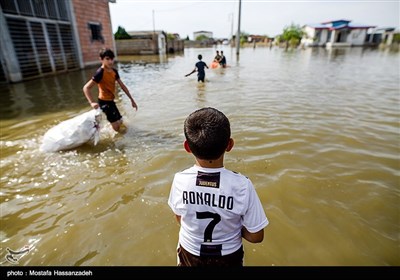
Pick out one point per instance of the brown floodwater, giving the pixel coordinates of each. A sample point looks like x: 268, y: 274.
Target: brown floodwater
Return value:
x: 316, y: 130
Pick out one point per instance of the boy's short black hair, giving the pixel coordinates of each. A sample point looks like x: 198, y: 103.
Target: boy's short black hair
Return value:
x: 106, y: 52
x: 200, y: 56
x: 207, y: 132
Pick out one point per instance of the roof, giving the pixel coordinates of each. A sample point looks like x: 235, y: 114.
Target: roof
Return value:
x: 381, y: 30
x: 339, y: 24
x: 202, y: 32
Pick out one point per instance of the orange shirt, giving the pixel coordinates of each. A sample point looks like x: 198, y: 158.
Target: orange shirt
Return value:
x: 106, y: 82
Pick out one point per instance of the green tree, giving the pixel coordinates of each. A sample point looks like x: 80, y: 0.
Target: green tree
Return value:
x: 243, y: 37
x: 121, y: 34
x: 396, y: 38
x: 170, y: 36
x: 202, y: 38
x: 292, y: 35
x: 278, y: 40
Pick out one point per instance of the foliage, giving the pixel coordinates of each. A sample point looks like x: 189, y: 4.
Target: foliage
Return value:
x: 278, y: 40
x: 170, y: 36
x: 292, y: 34
x: 121, y: 34
x: 396, y: 38
x: 243, y: 37
x: 202, y: 38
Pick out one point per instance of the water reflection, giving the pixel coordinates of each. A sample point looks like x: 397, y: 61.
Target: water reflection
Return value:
x: 201, y: 92
x: 42, y: 96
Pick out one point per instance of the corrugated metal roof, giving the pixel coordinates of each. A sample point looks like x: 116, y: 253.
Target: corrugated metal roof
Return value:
x: 339, y: 24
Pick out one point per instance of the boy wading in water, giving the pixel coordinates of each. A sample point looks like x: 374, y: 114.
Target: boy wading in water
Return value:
x: 214, y: 206
x: 105, y: 78
x: 199, y: 67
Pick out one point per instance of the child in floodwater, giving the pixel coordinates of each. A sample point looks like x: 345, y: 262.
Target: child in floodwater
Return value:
x: 105, y: 78
x: 199, y: 67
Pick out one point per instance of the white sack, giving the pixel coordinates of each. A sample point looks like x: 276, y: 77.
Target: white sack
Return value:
x: 74, y: 132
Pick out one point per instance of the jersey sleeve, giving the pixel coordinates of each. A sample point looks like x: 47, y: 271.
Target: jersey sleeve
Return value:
x: 174, y: 198
x: 254, y: 219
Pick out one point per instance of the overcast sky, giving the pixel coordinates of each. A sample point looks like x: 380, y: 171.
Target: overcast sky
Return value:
x: 259, y: 17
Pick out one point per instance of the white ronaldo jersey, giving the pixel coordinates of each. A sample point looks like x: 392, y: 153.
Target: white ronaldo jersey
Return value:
x: 214, y: 205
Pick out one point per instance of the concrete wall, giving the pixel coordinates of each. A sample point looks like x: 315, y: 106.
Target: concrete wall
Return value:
x: 357, y: 37
x: 175, y: 46
x: 146, y: 46
x: 134, y: 46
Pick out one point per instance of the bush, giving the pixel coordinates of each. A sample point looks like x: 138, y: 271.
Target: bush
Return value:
x: 121, y: 34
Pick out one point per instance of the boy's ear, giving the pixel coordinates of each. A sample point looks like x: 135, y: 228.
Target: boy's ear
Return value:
x: 186, y: 146
x: 231, y: 143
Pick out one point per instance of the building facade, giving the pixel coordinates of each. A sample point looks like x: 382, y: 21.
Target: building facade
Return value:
x: 45, y: 37
x: 143, y: 42
x: 338, y: 33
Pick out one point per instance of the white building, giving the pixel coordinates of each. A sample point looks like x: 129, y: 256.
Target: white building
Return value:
x: 337, y: 33
x: 382, y: 35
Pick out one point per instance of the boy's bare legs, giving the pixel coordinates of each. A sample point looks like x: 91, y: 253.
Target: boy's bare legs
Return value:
x: 116, y: 125
x: 122, y: 128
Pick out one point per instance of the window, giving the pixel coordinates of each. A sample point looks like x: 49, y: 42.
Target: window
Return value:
x: 95, y: 28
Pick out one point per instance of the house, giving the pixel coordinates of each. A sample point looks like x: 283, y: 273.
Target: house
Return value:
x: 258, y: 38
x: 46, y: 37
x: 143, y: 42
x: 149, y: 42
x: 383, y: 35
x: 337, y: 33
x: 175, y: 43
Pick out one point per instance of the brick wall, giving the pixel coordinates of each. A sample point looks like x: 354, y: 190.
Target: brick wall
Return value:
x: 94, y: 11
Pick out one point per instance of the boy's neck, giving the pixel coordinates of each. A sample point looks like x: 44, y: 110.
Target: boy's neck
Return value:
x: 215, y: 163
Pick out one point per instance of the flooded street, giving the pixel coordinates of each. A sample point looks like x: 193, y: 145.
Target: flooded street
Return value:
x: 316, y: 130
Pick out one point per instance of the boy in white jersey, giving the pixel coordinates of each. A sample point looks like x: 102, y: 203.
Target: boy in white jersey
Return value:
x: 214, y: 206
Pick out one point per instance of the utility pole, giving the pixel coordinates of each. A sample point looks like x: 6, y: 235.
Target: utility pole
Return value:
x: 155, y: 45
x: 154, y: 25
x: 231, y: 17
x: 238, y: 31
